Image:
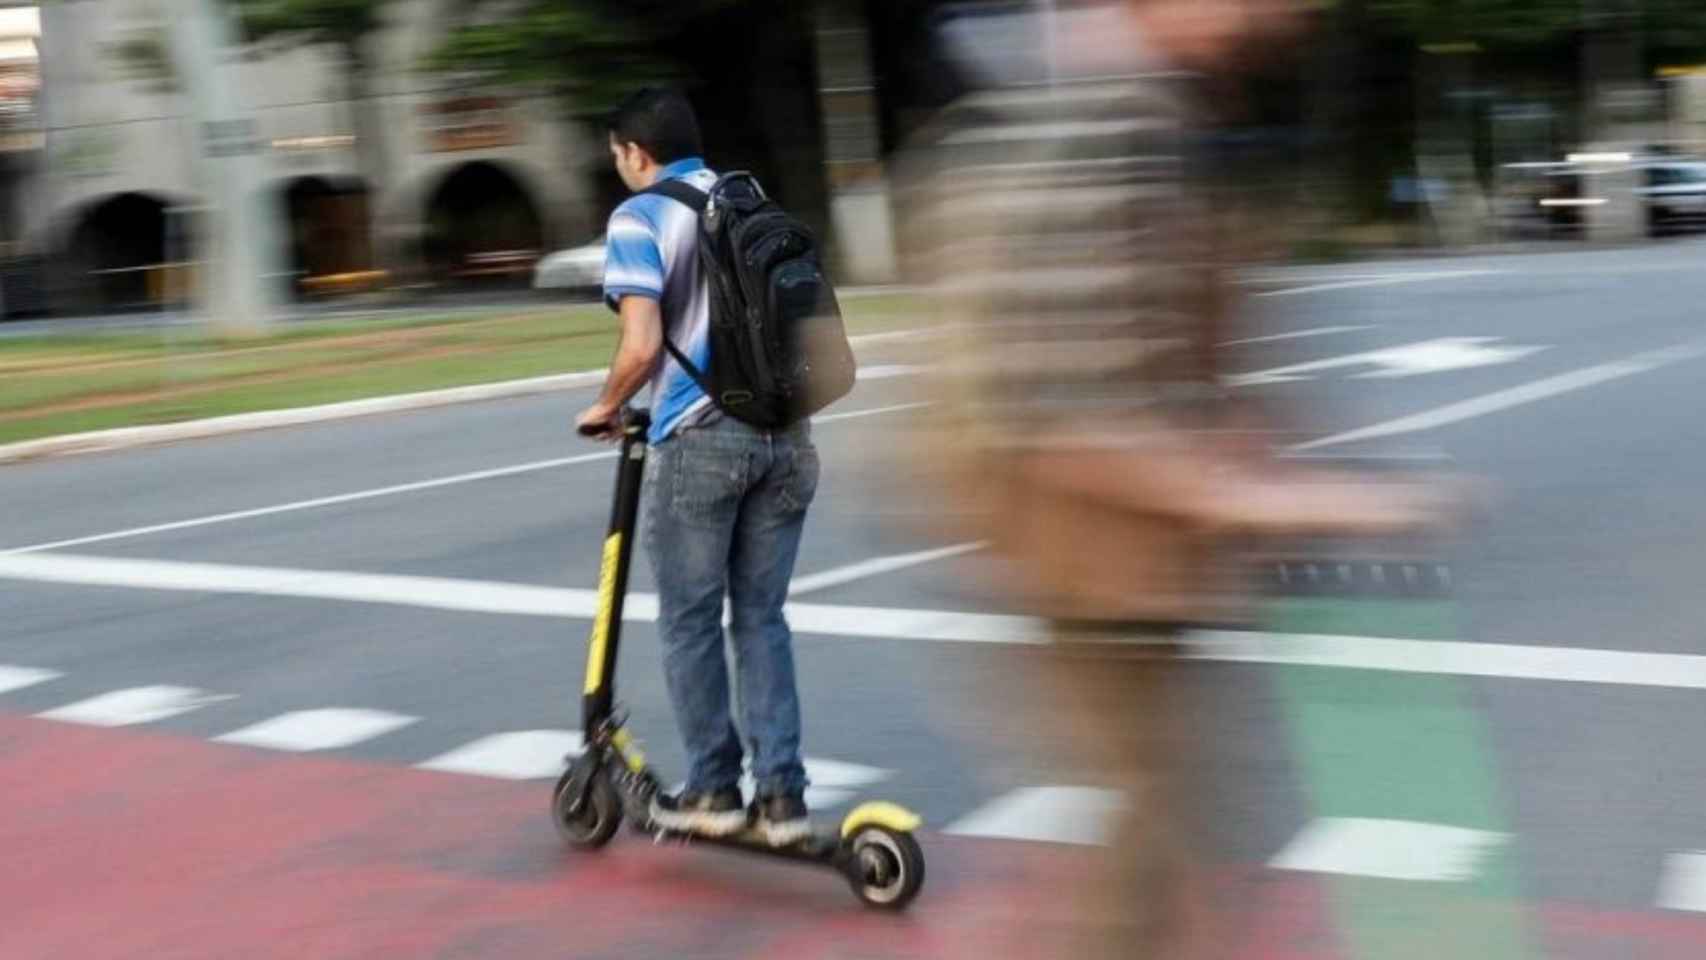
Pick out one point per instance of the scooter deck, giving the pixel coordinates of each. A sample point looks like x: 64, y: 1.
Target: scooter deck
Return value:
x: 823, y: 846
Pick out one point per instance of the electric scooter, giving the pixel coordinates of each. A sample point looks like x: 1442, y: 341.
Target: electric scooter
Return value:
x: 874, y: 847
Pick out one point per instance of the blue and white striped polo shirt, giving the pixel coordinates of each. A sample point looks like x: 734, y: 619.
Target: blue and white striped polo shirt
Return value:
x: 651, y: 250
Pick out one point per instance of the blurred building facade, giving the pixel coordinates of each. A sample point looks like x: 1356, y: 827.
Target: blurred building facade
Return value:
x: 21, y: 152
x: 98, y: 173
x: 473, y: 187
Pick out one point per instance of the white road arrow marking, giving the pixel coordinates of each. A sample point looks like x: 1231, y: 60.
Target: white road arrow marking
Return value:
x: 1408, y: 360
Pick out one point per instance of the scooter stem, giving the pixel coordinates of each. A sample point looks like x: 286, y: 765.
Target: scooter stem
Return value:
x: 602, y: 647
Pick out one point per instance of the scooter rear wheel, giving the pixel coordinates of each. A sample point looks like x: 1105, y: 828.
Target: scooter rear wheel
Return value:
x: 887, y: 868
x: 597, y: 819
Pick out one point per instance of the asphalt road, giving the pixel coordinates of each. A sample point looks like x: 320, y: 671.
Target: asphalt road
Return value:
x: 1566, y: 380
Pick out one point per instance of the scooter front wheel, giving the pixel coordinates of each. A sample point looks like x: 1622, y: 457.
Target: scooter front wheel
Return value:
x: 887, y: 867
x: 592, y: 821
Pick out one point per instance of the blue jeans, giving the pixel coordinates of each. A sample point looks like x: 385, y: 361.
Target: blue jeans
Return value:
x: 725, y: 505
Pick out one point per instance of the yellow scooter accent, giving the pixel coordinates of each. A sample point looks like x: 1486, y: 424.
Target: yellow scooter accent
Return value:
x: 880, y: 813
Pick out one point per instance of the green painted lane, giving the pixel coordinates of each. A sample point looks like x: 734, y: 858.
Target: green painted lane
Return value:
x: 1402, y: 749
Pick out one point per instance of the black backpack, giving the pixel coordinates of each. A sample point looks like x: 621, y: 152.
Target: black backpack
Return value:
x: 779, y: 352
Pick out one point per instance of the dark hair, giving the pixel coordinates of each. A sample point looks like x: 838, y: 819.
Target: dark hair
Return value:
x: 661, y: 121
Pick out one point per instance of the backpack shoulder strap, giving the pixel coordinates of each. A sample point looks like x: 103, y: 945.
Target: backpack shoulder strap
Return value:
x: 694, y: 199
x: 681, y: 192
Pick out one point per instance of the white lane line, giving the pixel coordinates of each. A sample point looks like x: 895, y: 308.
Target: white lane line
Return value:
x: 430, y: 592
x: 1298, y: 334
x: 17, y: 678
x: 1376, y: 281
x: 1456, y: 658
x: 517, y: 755
x: 1389, y: 849
x: 359, y: 495
x: 478, y: 596
x: 888, y: 371
x: 318, y: 502
x: 1566, y: 664
x: 1560, y: 663
x: 840, y: 773
x: 123, y: 708
x: 870, y: 412
x: 326, y: 729
x: 891, y: 336
x: 876, y: 567
x: 1515, y: 396
x: 1081, y: 815
x: 1268, y: 278
x: 1682, y: 886
x: 890, y: 623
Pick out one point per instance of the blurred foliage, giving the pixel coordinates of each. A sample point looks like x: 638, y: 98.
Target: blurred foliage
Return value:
x: 1491, y: 24
x: 346, y: 24
x: 342, y: 22
x: 1674, y: 29
x: 145, y: 55
x: 1666, y: 28
x: 586, y: 53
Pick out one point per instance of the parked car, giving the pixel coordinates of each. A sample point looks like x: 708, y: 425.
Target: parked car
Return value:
x: 1540, y: 199
x: 1674, y: 194
x: 577, y: 271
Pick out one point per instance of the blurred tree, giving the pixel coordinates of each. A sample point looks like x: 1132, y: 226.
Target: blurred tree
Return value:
x: 587, y: 53
x: 1665, y: 28
x: 145, y: 55
x: 748, y: 65
x: 348, y: 26
x: 1490, y: 24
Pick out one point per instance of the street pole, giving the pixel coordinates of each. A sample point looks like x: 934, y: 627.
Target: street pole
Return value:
x: 240, y: 247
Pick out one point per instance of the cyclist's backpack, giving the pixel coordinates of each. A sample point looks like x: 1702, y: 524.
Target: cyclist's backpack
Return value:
x: 779, y: 352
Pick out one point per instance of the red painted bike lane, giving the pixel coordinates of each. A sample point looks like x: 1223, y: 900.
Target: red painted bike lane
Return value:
x: 129, y: 844
x: 126, y: 844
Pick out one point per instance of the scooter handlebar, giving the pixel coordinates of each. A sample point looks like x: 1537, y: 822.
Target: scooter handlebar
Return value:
x: 630, y: 420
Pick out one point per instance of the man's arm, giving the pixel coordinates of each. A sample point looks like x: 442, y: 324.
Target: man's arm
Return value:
x: 637, y: 353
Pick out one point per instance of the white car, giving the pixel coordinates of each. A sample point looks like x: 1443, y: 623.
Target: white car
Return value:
x: 577, y: 270
x: 1674, y: 193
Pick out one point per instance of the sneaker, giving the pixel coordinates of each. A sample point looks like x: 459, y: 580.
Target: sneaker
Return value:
x: 782, y: 819
x: 715, y: 814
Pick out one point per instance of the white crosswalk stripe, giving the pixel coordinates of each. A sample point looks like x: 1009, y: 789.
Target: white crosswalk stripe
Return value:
x: 1054, y: 814
x: 124, y: 708
x: 516, y: 755
x: 1682, y: 885
x: 1389, y: 849
x: 325, y: 729
x: 17, y: 678
x: 1364, y: 847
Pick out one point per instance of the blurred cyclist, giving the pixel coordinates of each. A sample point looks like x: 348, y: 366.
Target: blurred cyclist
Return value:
x: 1081, y: 423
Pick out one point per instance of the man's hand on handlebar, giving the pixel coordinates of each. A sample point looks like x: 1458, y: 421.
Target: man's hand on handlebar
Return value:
x: 600, y: 422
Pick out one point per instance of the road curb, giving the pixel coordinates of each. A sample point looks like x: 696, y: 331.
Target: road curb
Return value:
x: 126, y: 437
x: 122, y: 438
